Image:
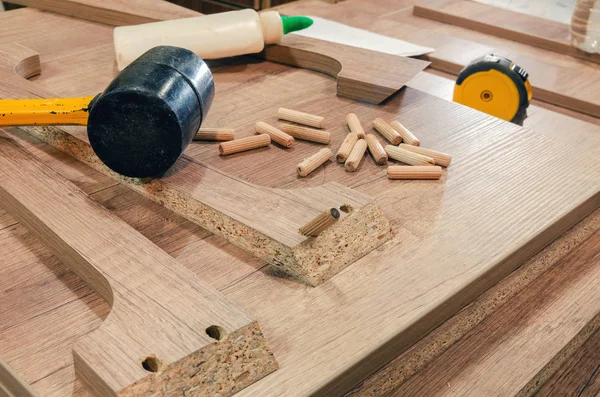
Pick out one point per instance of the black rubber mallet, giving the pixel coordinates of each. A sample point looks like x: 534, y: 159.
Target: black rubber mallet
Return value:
x: 143, y: 121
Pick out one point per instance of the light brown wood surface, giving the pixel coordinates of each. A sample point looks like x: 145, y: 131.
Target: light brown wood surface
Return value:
x: 113, y: 12
x: 469, y: 321
x: 160, y: 310
x: 556, y: 78
x: 12, y: 384
x: 511, y: 25
x: 498, y: 357
x: 217, y: 201
x: 325, y: 338
x: 362, y: 75
x: 579, y: 376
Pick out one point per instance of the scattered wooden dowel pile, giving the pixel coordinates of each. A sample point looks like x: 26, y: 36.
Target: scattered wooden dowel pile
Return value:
x: 405, y: 146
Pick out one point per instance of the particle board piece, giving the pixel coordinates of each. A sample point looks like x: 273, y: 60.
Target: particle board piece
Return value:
x: 507, y: 24
x: 164, y: 321
x: 113, y: 12
x: 236, y: 209
x: 12, y: 384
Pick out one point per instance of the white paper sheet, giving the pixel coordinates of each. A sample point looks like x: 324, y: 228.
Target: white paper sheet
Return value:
x: 336, y: 32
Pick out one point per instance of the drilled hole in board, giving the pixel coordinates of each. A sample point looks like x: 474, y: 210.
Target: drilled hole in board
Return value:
x: 151, y: 364
x: 216, y: 332
x: 346, y: 208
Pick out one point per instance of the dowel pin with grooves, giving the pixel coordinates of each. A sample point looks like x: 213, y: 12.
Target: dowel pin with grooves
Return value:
x: 346, y: 147
x: 320, y: 223
x: 439, y: 158
x: 243, y: 144
x: 276, y: 134
x: 355, y: 126
x: 356, y: 155
x: 300, y: 117
x: 305, y: 133
x: 387, y: 131
x: 407, y: 156
x: 313, y: 162
x: 377, y: 151
x: 414, y: 172
x: 407, y: 137
x: 214, y: 134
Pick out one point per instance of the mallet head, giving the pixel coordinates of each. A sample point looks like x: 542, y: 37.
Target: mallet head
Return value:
x: 143, y: 121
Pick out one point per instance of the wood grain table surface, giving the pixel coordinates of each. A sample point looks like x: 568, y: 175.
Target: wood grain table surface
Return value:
x: 38, y: 319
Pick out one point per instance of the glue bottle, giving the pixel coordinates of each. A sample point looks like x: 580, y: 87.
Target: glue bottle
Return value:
x: 209, y: 36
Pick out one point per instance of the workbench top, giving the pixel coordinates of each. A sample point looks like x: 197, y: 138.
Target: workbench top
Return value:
x: 329, y: 338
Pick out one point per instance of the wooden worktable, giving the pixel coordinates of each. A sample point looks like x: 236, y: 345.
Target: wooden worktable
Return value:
x: 49, y: 308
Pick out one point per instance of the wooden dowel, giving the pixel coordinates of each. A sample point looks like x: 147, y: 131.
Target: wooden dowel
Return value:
x: 440, y: 158
x: 346, y: 147
x: 320, y: 223
x: 387, y: 131
x: 408, y: 157
x: 407, y: 137
x: 414, y: 172
x: 307, y: 134
x: 355, y: 126
x: 313, y: 162
x: 300, y: 117
x: 214, y: 134
x: 356, y: 155
x: 243, y: 144
x: 276, y: 134
x: 376, y: 150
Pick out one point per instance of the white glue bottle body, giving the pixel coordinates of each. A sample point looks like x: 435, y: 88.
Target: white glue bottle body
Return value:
x: 209, y: 36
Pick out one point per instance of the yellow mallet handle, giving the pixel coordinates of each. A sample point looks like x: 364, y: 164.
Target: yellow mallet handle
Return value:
x: 52, y: 111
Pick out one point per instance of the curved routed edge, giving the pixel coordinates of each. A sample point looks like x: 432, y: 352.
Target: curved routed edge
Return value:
x: 362, y: 75
x: 25, y: 62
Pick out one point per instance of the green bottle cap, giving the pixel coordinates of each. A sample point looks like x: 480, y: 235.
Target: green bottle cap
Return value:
x: 293, y: 24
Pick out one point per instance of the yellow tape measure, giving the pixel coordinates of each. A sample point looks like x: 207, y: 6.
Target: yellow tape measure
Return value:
x: 495, y: 85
